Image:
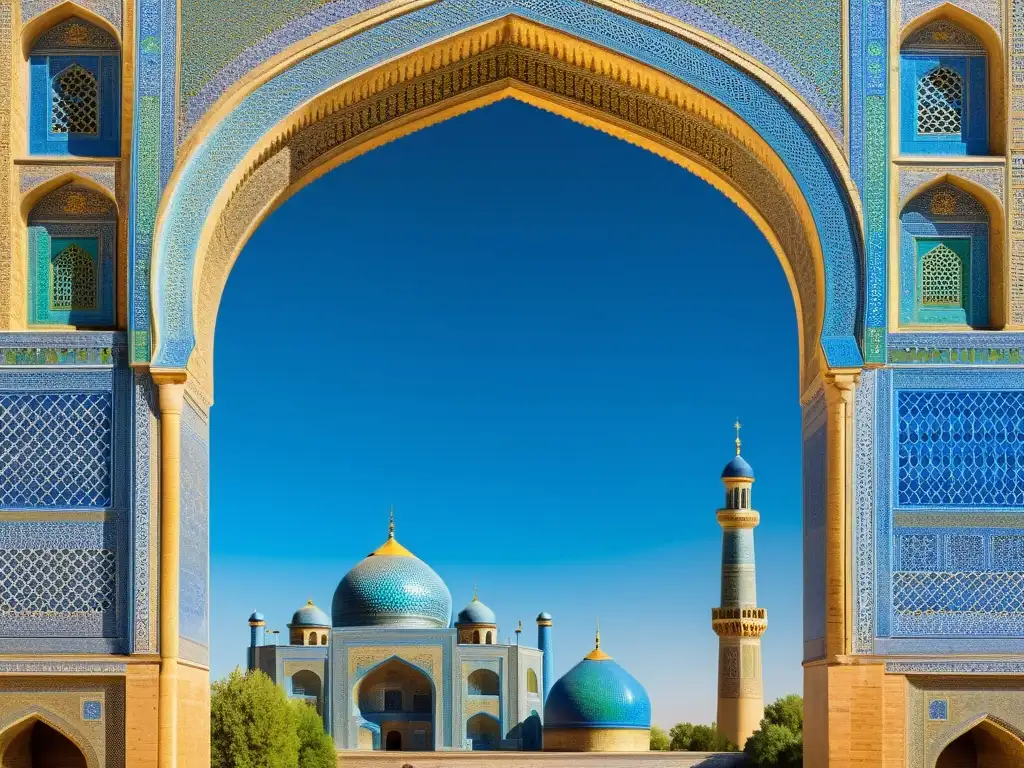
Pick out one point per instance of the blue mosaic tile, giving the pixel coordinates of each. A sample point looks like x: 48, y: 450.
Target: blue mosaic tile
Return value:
x: 391, y: 590
x: 597, y: 694
x: 960, y: 448
x: 937, y: 709
x: 92, y: 710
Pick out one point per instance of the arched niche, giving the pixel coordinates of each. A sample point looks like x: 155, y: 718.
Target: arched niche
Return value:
x: 483, y: 682
x: 989, y: 39
x: 42, y: 740
x: 950, y: 206
x: 71, y: 216
x: 985, y: 743
x: 711, y: 116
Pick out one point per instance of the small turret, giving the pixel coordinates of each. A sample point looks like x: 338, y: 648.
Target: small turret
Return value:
x: 257, y: 635
x: 544, y: 643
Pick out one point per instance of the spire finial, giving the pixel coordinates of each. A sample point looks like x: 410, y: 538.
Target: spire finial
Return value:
x: 597, y: 636
x: 391, y: 523
x: 597, y: 654
x: 475, y: 598
x: 310, y: 601
x: 737, y: 425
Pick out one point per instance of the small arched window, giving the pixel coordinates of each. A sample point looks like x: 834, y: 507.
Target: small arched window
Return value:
x: 944, y: 269
x: 73, y: 285
x: 943, y: 92
x: 312, y: 638
x: 72, y: 246
x: 482, y: 682
x: 476, y: 637
x: 488, y: 639
x: 323, y: 639
x: 75, y: 74
x: 531, y: 681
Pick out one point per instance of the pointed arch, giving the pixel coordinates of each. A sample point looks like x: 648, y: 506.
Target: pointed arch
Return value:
x: 51, y: 17
x: 414, y: 667
x: 32, y: 196
x: 999, y: 297
x: 989, y: 740
x: 990, y: 39
x: 19, y: 723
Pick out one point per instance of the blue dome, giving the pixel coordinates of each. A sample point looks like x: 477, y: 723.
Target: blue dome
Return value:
x: 476, y: 613
x: 310, y: 616
x: 738, y: 467
x: 256, y: 616
x: 544, y: 616
x: 597, y: 693
x: 392, y: 587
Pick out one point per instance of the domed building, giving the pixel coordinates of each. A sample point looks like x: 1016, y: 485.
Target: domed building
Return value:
x: 597, y: 706
x: 389, y: 670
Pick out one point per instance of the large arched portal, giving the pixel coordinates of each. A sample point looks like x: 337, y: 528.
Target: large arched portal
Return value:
x: 399, y: 699
x: 987, y: 744
x: 687, y: 100
x: 34, y: 743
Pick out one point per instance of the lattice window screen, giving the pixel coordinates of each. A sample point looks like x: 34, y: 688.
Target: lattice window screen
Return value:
x: 940, y: 102
x: 76, y: 102
x: 942, y: 278
x: 74, y: 280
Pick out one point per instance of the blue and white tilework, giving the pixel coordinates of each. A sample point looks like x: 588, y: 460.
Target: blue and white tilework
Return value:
x: 937, y: 709
x: 194, y: 597
x: 92, y: 709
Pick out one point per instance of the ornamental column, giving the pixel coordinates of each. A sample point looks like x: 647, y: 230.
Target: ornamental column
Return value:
x: 839, y: 391
x: 172, y: 394
x: 738, y: 622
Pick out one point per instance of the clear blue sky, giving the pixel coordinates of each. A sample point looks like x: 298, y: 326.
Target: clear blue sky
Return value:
x: 532, y: 339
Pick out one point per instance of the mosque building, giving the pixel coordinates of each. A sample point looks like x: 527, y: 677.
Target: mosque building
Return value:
x: 389, y: 670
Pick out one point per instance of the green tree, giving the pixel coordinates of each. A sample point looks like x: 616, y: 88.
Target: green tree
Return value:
x: 788, y: 712
x: 252, y: 724
x: 779, y: 742
x: 659, y: 739
x: 687, y: 737
x: 316, y: 750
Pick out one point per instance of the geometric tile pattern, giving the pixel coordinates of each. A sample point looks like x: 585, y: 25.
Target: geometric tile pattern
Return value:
x: 937, y: 709
x: 76, y: 102
x: 74, y: 279
x: 942, y: 275
x: 195, y: 542
x: 960, y: 448
x: 1008, y: 553
x: 57, y: 580
x: 918, y: 553
x: 984, y: 592
x: 92, y: 710
x: 55, y: 450
x: 940, y: 101
x: 965, y: 553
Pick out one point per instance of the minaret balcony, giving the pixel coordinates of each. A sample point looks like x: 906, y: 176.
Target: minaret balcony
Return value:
x: 739, y: 622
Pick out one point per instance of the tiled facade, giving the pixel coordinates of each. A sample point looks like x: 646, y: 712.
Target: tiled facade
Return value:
x: 102, y: 135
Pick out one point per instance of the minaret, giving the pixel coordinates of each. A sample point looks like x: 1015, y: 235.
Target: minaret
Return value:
x: 257, y: 626
x: 544, y: 643
x: 738, y: 622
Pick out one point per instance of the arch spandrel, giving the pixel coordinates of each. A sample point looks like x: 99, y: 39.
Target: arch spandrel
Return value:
x: 680, y: 107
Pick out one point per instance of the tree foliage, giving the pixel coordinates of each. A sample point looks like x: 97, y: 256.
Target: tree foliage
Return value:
x: 316, y: 750
x: 659, y: 739
x: 687, y: 737
x: 254, y: 725
x: 779, y: 742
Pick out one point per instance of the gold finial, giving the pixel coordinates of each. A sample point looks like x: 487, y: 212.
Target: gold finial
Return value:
x: 737, y: 425
x: 391, y: 546
x: 310, y: 601
x: 391, y: 523
x: 597, y: 654
x: 475, y: 598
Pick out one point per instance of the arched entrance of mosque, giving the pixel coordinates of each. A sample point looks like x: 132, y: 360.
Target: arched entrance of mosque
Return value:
x: 986, y: 744
x: 398, y: 698
x: 34, y: 743
x: 484, y: 731
x: 679, y: 95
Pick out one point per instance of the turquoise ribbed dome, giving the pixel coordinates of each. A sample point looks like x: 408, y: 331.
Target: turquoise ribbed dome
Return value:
x: 309, y: 616
x: 597, y: 693
x: 476, y: 613
x: 393, y: 588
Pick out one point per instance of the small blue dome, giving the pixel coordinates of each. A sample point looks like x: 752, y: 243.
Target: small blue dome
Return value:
x: 394, y: 588
x: 310, y: 616
x: 597, y: 693
x: 544, y: 616
x: 256, y: 616
x: 737, y: 468
x: 476, y: 613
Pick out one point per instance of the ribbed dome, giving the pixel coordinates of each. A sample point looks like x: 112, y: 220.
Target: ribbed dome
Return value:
x: 476, y: 613
x: 597, y: 693
x: 392, y: 587
x: 738, y: 468
x: 310, y: 616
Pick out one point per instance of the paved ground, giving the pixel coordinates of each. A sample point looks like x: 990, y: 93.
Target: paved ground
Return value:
x: 538, y: 760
